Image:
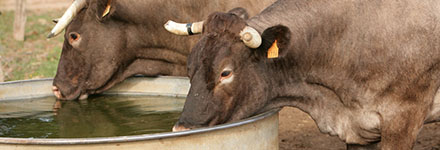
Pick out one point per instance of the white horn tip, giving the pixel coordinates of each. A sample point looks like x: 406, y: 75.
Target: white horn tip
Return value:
x: 250, y: 37
x: 247, y: 37
x: 176, y: 28
x: 168, y: 25
x: 51, y: 35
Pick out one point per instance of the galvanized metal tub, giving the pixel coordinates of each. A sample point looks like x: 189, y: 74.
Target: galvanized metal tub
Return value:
x: 256, y: 133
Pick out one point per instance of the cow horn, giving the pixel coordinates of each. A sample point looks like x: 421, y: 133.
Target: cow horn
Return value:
x: 250, y: 37
x: 71, y: 12
x: 184, y: 29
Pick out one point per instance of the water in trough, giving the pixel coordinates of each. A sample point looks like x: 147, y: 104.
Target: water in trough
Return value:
x: 98, y: 116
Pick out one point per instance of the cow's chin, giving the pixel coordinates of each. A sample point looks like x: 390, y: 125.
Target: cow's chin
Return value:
x: 177, y: 128
x: 81, y: 93
x: 83, y: 96
x: 180, y: 126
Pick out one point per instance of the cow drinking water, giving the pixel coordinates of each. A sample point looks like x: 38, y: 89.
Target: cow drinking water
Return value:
x: 365, y: 71
x: 107, y: 41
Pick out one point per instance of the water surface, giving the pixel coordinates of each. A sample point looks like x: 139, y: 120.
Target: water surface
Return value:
x: 98, y: 116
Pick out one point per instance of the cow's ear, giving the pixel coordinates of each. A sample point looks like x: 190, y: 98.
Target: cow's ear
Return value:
x: 104, y: 9
x: 240, y: 12
x: 275, y: 42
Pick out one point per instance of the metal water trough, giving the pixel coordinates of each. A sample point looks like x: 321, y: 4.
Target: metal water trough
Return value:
x: 256, y: 133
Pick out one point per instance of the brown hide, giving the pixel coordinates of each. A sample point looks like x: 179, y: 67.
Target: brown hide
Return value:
x: 366, y: 71
x: 99, y: 52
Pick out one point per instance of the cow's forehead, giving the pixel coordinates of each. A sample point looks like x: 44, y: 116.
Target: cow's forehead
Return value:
x: 224, y: 23
x: 223, y: 55
x: 215, y: 49
x: 80, y: 20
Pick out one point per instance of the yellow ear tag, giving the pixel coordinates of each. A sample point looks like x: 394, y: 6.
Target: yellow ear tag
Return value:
x: 107, y: 9
x: 273, y: 50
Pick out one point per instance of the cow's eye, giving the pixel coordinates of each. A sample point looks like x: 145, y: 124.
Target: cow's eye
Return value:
x: 226, y: 74
x: 73, y: 38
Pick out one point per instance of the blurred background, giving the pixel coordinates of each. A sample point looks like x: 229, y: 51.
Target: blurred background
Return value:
x: 29, y: 54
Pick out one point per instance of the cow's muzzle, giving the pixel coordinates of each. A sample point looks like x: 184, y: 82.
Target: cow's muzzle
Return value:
x: 57, y: 92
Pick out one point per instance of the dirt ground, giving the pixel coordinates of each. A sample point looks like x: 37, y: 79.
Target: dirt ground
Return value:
x: 297, y: 131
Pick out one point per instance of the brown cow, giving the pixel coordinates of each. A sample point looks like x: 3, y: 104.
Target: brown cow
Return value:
x: 110, y: 40
x: 366, y: 71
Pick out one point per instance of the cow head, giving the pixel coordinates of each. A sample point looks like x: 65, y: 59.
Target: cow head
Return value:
x: 92, y: 49
x: 229, y: 81
x: 99, y: 50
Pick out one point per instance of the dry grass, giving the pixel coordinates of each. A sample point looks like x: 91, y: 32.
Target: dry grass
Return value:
x: 37, y: 56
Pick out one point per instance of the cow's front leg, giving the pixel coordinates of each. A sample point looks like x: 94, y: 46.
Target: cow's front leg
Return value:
x: 400, y: 131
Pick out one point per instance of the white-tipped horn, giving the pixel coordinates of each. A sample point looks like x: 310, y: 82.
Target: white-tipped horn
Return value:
x: 250, y: 37
x: 71, y: 12
x: 184, y: 28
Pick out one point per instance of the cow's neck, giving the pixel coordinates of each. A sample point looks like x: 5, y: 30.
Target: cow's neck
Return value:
x: 303, y: 18
x: 147, y: 38
x: 149, y: 26
x: 292, y: 86
x: 300, y: 80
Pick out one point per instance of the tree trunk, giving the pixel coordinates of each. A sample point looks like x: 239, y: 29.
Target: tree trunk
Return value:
x: 2, y: 78
x: 20, y: 19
